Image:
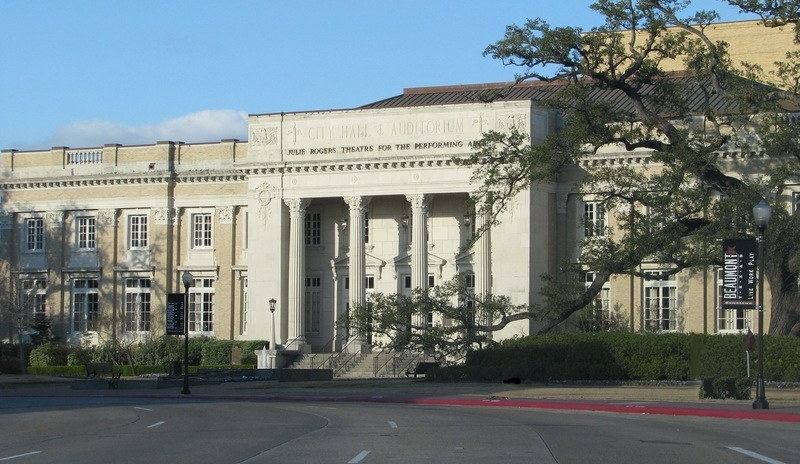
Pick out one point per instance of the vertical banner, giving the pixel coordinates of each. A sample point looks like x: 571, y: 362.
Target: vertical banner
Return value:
x: 175, y: 314
x: 739, y: 273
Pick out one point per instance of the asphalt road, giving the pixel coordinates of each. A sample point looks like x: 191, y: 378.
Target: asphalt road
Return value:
x: 106, y: 429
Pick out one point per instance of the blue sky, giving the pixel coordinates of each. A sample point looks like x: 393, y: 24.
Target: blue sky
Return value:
x: 87, y: 73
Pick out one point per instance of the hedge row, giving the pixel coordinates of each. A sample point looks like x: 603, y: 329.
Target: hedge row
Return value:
x: 125, y: 370
x: 627, y: 356
x: 159, y: 352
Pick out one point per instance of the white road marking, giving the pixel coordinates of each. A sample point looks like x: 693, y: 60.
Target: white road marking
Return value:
x: 19, y: 456
x: 760, y: 457
x: 143, y: 409
x: 155, y: 425
x: 358, y: 458
x: 392, y: 424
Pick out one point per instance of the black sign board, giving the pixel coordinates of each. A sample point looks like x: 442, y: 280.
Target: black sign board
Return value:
x: 175, y: 314
x: 738, y: 273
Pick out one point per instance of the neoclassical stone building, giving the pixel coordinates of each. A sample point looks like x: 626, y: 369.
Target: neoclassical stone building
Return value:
x: 316, y: 210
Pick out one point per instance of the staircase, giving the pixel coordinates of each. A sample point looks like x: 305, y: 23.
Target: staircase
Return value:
x: 383, y: 364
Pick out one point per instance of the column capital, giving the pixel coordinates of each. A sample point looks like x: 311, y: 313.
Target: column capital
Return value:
x: 297, y: 205
x: 419, y: 200
x: 357, y: 202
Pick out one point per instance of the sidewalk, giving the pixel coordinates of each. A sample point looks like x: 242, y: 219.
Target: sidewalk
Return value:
x: 679, y: 400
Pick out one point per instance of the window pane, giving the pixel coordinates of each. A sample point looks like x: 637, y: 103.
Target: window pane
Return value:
x: 34, y: 234
x: 86, y: 233
x: 137, y: 230
x: 201, y: 231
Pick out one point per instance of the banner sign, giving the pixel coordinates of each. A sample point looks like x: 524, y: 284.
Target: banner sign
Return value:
x: 175, y: 314
x: 739, y: 273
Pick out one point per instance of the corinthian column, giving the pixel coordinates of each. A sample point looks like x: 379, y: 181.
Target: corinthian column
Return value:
x: 297, y: 270
x: 419, y: 241
x: 357, y: 272
x: 483, y: 259
x: 483, y: 254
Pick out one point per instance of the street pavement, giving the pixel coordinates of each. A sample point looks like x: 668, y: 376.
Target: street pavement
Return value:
x: 677, y: 399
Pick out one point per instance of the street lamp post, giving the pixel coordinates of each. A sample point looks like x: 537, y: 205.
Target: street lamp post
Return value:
x: 762, y: 213
x: 187, y: 283
x: 274, y: 342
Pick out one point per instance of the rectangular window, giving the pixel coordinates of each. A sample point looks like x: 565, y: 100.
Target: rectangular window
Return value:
x: 733, y: 320
x: 313, y: 303
x: 594, y: 219
x: 137, y: 305
x: 34, y: 234
x: 87, y: 233
x: 201, y: 305
x: 246, y: 230
x: 467, y: 298
x: 366, y: 227
x: 244, y: 317
x: 597, y: 315
x: 201, y: 230
x: 660, y: 304
x: 33, y: 298
x: 137, y: 231
x: 795, y: 202
x: 85, y: 308
x: 313, y: 228
x: 429, y: 316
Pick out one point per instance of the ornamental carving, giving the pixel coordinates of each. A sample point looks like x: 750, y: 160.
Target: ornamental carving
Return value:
x: 164, y: 216
x: 297, y: 205
x: 6, y: 220
x: 106, y: 218
x: 264, y: 135
x: 225, y: 214
x: 419, y: 201
x: 357, y: 204
x: 513, y: 121
x: 55, y: 220
x: 264, y: 194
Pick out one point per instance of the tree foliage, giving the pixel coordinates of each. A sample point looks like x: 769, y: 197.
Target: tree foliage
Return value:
x: 464, y: 321
x: 612, y: 93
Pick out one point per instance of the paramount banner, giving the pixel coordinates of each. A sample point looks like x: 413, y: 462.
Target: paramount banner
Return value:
x: 739, y: 273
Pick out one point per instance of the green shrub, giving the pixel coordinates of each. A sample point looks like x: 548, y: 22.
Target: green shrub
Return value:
x: 217, y: 351
x: 737, y: 388
x: 630, y: 356
x: 66, y: 371
x: 50, y: 354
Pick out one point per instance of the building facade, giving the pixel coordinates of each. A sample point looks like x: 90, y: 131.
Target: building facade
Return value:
x: 316, y: 210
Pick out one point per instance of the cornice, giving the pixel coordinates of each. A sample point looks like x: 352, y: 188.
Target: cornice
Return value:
x: 644, y: 157
x: 110, y: 180
x: 365, y: 164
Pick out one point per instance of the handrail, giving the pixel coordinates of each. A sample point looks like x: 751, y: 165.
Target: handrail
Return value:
x: 327, y: 359
x: 394, y: 355
x: 345, y: 351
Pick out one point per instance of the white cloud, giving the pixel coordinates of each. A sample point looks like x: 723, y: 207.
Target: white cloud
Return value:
x: 202, y: 126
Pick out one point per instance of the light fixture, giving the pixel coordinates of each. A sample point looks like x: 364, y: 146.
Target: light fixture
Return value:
x: 762, y: 213
x: 188, y: 280
x: 404, y: 221
x: 467, y: 220
x: 274, y: 341
x: 344, y: 223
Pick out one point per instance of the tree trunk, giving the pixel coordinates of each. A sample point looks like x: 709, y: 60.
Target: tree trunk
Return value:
x: 785, y: 308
